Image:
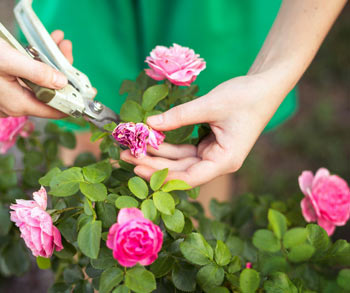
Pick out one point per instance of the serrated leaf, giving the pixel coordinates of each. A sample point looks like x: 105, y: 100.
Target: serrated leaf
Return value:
x: 45, y: 180
x: 222, y: 253
x: 109, y: 279
x: 94, y: 175
x: 138, y: 187
x: 131, y: 112
x: 153, y: 95
x: 94, y: 191
x: 158, y: 178
x: 210, y: 276
x: 175, y: 185
x: 162, y: 266
x: 125, y: 201
x: 196, y: 249
x: 184, y: 276
x: 66, y: 183
x: 89, y: 238
x: 164, y: 202
x: 174, y: 222
x: 140, y: 280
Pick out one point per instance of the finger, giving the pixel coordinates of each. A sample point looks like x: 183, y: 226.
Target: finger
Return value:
x: 196, y: 175
x: 66, y: 48
x: 57, y: 36
x: 171, y: 151
x: 159, y: 163
x: 197, y: 111
x: 15, y: 63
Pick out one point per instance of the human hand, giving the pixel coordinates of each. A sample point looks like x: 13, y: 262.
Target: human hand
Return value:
x: 15, y: 98
x: 237, y: 112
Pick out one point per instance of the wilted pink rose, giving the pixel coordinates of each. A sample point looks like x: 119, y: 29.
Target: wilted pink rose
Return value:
x: 137, y: 136
x: 134, y: 239
x: 327, y: 199
x: 11, y: 128
x: 35, y: 224
x: 180, y: 65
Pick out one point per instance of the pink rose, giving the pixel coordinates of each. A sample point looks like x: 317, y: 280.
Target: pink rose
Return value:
x: 11, y: 128
x: 180, y: 65
x: 35, y: 224
x: 327, y: 199
x: 134, y: 239
x: 137, y: 136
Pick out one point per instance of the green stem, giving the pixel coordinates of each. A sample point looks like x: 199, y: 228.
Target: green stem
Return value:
x: 67, y: 210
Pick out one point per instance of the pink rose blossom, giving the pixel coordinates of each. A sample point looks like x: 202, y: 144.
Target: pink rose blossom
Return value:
x: 327, y: 199
x: 137, y: 136
x: 180, y: 65
x: 134, y: 239
x: 35, y: 224
x: 11, y: 128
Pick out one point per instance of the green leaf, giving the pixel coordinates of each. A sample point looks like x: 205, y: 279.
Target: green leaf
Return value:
x: 249, y: 280
x: 110, y: 126
x: 127, y: 86
x: 138, y: 187
x: 93, y: 174
x: 175, y: 185
x: 235, y: 265
x: 149, y: 210
x: 105, y: 259
x: 235, y: 245
x: 68, y: 228
x: 60, y: 288
x: 196, y: 249
x: 84, y: 159
x: 343, y: 279
x: 43, y: 263
x: 125, y: 201
x: 265, y: 240
x: 45, y: 181
x: 164, y: 202
x: 33, y: 158
x: 280, y: 283
x: 67, y: 252
x: 72, y: 274
x: 106, y: 213
x: 131, y: 112
x: 5, y: 221
x: 184, y: 276
x: 109, y: 279
x: 67, y: 139
x: 318, y: 237
x: 294, y: 237
x: 278, y: 222
x: 140, y: 280
x: 66, y: 183
x: 222, y: 253
x: 272, y: 264
x: 121, y: 289
x: 94, y: 191
x: 151, y: 113
x: 174, y: 222
x: 194, y: 192
x: 158, y: 178
x: 162, y: 266
x: 89, y: 238
x: 301, y: 253
x: 219, y: 290
x: 210, y: 276
x: 153, y: 95
x: 15, y: 258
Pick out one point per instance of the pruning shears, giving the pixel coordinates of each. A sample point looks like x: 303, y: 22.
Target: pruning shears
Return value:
x: 77, y: 98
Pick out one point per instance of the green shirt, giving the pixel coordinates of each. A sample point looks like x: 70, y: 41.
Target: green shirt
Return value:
x: 111, y: 38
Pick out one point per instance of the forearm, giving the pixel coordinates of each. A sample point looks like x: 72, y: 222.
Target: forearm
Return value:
x: 294, y: 39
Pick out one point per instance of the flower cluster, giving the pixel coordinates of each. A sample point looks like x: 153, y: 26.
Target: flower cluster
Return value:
x: 327, y: 199
x: 134, y: 239
x: 137, y: 136
x: 11, y: 128
x: 35, y: 224
x: 180, y: 65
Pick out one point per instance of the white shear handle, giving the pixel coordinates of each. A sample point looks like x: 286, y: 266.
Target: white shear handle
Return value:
x: 39, y: 38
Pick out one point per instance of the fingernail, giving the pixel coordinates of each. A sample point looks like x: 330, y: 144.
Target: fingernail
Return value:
x: 155, y: 120
x: 59, y: 80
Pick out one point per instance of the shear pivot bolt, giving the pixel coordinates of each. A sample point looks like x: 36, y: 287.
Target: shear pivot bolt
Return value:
x: 96, y: 106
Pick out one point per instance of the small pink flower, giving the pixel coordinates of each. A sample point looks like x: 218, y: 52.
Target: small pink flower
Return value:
x: 137, y: 136
x: 180, y: 65
x: 134, y: 239
x: 35, y: 224
x: 327, y: 199
x: 248, y: 265
x: 11, y: 128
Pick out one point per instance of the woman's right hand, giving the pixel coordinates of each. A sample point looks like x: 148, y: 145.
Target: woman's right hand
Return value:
x: 15, y: 98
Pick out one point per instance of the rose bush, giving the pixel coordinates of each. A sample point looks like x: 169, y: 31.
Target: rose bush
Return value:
x: 162, y: 240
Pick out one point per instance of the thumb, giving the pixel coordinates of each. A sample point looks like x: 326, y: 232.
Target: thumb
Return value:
x: 15, y: 63
x: 194, y: 112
